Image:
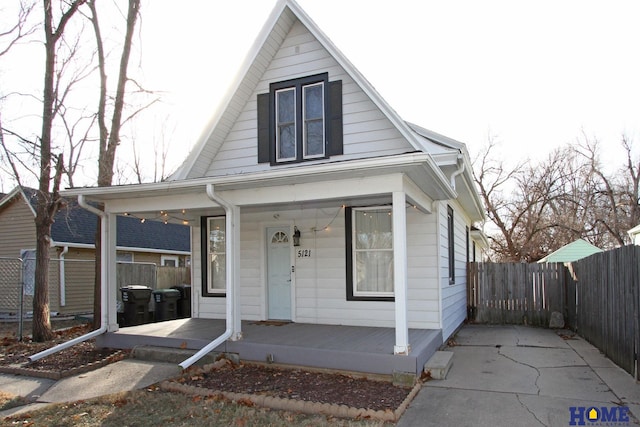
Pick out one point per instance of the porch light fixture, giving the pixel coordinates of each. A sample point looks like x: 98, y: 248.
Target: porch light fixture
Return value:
x: 296, y: 236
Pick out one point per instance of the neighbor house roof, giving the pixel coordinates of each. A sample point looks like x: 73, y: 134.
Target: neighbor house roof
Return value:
x: 75, y: 226
x: 572, y: 252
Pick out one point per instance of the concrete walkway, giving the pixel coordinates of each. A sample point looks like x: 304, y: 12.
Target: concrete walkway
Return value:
x: 125, y: 375
x: 522, y: 376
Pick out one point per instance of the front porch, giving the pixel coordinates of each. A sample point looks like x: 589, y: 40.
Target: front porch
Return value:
x: 349, y: 348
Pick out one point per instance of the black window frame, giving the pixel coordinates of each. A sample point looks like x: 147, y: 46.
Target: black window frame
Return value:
x: 299, y: 84
x: 348, y: 220
x: 451, y: 240
x: 267, y: 127
x: 204, y: 247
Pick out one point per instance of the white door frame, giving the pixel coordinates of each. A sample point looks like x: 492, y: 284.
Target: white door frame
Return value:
x: 265, y: 271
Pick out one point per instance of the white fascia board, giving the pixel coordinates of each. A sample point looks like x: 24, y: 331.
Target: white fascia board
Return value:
x: 17, y: 191
x: 480, y: 237
x: 171, y: 190
x: 121, y: 248
x: 152, y: 251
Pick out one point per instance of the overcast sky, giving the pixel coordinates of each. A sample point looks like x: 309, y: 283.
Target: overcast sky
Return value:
x: 533, y: 74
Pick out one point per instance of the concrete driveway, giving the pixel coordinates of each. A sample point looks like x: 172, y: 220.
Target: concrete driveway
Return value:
x: 522, y: 376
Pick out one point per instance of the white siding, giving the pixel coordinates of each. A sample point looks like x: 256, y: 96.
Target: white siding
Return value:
x: 367, y: 133
x: 454, y: 296
x: 319, y: 282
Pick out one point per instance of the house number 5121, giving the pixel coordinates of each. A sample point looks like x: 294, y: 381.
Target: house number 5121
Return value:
x: 304, y: 253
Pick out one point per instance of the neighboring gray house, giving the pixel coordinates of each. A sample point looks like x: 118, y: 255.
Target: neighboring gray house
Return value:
x: 72, y: 271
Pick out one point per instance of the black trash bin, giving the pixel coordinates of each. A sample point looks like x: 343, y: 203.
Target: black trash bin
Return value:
x: 135, y: 299
x: 166, y: 304
x: 184, y: 303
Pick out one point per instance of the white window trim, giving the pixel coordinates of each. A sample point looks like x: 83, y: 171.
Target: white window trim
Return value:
x: 174, y: 258
x: 304, y: 120
x: 295, y: 126
x: 356, y: 292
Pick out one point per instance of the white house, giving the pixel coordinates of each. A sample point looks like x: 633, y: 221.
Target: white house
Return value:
x: 312, y: 202
x: 634, y: 235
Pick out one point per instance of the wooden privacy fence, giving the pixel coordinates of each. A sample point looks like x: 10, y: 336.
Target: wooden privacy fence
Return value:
x: 151, y: 275
x: 604, y: 304
x: 515, y: 293
x: 599, y: 297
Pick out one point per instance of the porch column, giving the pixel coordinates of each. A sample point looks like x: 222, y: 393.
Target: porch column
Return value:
x: 234, y: 214
x: 400, y: 272
x: 109, y: 280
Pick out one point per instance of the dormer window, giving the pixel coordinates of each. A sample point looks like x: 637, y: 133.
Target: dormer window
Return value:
x: 300, y: 120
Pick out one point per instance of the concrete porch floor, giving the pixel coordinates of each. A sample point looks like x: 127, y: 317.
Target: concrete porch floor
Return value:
x: 350, y: 348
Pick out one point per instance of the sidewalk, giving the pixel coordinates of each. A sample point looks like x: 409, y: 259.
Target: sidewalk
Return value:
x: 523, y: 376
x: 125, y: 375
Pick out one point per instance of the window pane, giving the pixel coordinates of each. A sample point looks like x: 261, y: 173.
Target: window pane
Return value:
x: 313, y: 120
x: 218, y: 272
x: 374, y: 271
x: 373, y: 230
x: 287, y: 142
x: 286, y: 124
x: 217, y: 256
x: 313, y: 105
x: 286, y: 106
x: 373, y: 252
x: 314, y: 138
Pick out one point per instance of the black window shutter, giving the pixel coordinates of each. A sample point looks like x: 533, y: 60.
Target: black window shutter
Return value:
x: 263, y: 128
x: 335, y: 118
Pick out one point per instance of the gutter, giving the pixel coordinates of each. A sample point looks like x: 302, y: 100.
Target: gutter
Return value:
x: 230, y: 276
x: 103, y: 293
x: 460, y: 161
x: 63, y: 290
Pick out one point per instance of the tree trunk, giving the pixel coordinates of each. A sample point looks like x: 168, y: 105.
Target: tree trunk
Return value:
x: 41, y: 321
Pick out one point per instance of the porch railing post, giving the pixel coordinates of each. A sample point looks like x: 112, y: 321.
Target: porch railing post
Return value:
x: 400, y: 272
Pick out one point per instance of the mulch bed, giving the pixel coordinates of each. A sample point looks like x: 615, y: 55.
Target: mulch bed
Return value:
x: 80, y: 358
x: 307, y: 391
x: 335, y: 394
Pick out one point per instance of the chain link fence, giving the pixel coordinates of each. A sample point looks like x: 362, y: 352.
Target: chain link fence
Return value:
x: 71, y: 283
x: 12, y: 290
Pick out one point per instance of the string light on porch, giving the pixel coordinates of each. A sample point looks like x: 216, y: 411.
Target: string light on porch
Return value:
x: 164, y: 216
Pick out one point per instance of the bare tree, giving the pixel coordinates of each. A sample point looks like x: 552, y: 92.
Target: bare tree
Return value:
x: 20, y: 30
x: 614, y: 196
x: 542, y: 206
x: 48, y: 197
x: 109, y: 137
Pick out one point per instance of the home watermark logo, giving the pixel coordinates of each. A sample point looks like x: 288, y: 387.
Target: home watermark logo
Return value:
x: 603, y: 416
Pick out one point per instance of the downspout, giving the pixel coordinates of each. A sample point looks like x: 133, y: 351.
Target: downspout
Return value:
x: 103, y: 293
x: 63, y: 286
x: 460, y: 162
x: 230, y: 296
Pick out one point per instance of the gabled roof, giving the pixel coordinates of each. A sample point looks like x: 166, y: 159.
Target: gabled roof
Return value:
x: 572, y: 252
x: 76, y: 226
x: 282, y: 18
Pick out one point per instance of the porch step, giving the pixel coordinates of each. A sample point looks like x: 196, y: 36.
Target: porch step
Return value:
x: 170, y: 355
x: 439, y: 364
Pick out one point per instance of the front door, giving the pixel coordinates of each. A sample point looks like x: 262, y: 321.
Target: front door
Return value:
x: 279, y: 273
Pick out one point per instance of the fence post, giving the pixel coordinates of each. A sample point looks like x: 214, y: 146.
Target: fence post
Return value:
x: 21, y: 306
